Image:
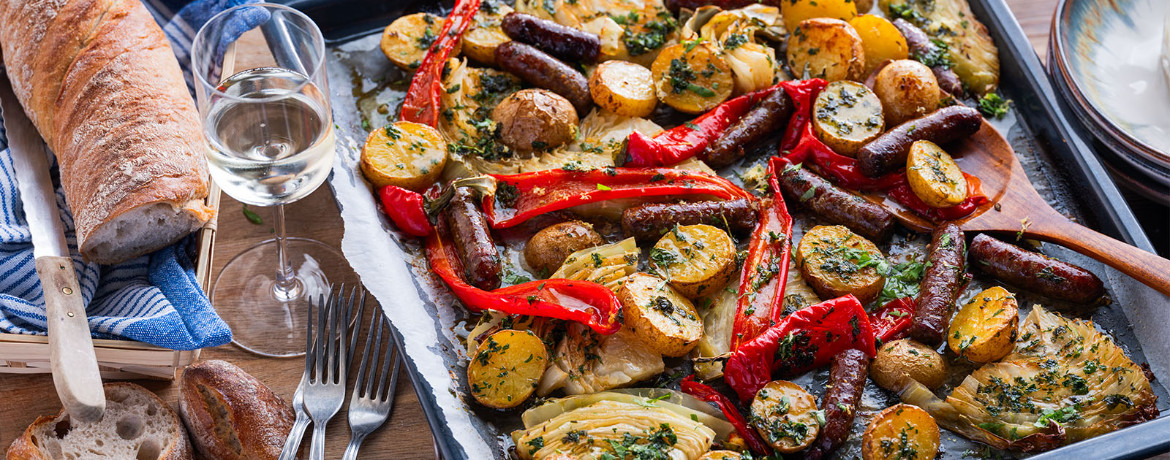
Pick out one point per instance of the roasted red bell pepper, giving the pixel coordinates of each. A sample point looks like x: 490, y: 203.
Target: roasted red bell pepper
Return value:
x: 840, y: 169
x: 806, y: 339
x: 520, y: 197
x: 902, y: 194
x: 802, y: 93
x: 891, y: 321
x: 421, y: 104
x: 708, y: 394
x: 765, y: 270
x: 687, y: 140
x: 405, y: 208
x: 582, y: 301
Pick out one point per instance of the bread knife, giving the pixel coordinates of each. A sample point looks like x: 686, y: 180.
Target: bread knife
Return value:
x: 71, y: 354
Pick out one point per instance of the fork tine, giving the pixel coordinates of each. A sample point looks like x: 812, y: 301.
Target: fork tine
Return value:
x: 357, y: 324
x: 334, y: 319
x: 319, y: 358
x: 359, y: 387
x: 309, y: 340
x: 385, y: 358
x: 371, y: 390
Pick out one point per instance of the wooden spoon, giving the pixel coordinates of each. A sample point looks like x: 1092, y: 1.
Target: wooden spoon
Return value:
x: 1017, y: 208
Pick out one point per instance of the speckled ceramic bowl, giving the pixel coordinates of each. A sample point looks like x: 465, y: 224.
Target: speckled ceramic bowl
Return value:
x: 1106, y: 59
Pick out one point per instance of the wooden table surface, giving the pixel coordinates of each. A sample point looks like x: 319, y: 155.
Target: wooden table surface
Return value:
x: 406, y: 435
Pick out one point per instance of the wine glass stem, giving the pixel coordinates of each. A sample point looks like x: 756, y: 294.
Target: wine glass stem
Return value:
x: 287, y: 287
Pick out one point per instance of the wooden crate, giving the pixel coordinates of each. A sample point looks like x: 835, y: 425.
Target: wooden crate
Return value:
x: 118, y: 359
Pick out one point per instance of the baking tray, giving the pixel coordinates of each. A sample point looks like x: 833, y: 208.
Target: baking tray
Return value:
x: 428, y: 320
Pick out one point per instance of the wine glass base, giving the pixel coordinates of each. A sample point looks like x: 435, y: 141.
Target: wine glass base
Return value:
x: 262, y: 321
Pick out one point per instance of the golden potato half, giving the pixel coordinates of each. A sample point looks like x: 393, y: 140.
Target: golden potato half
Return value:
x: 506, y: 368
x: 661, y: 317
x: 786, y: 416
x: 406, y: 154
x: 901, y: 432
x: 696, y: 259
x: 985, y: 328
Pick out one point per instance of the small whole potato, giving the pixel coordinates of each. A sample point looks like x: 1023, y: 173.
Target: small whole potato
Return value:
x: 826, y: 48
x: 535, y: 119
x: 907, y: 359
x: 907, y: 89
x: 548, y: 248
x: 985, y: 329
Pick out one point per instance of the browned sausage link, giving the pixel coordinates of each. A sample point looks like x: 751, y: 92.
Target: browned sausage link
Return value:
x: 921, y: 45
x: 941, y: 284
x: 650, y: 221
x: 836, y: 205
x: 473, y: 240
x: 888, y: 152
x: 544, y: 71
x: 562, y: 42
x: 767, y: 117
x: 846, y: 382
x: 1035, y: 272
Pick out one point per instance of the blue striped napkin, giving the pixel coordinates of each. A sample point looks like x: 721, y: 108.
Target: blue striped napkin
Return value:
x: 153, y: 299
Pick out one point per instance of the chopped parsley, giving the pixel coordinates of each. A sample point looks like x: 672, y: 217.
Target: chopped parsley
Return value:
x: 993, y: 105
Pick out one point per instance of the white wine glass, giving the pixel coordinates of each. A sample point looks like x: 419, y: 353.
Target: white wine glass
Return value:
x: 260, y: 81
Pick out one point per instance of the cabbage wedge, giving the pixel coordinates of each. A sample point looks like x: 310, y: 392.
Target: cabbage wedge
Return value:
x: 621, y: 429
x: 969, y: 45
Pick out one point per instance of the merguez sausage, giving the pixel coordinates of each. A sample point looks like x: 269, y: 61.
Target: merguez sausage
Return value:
x: 544, y: 71
x: 769, y: 116
x: 836, y: 205
x: 846, y: 382
x: 473, y: 240
x: 921, y: 45
x: 888, y: 152
x: 1034, y: 271
x: 650, y: 221
x: 941, y: 284
x: 565, y: 43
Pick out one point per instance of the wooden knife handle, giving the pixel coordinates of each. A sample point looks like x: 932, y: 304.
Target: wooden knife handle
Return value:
x: 1149, y: 268
x: 71, y: 355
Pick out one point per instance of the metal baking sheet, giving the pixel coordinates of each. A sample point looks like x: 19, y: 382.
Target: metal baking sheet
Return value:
x: 366, y: 91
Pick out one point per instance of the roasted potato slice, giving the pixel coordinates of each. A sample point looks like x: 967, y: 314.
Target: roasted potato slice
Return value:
x: 481, y: 39
x: 847, y: 116
x: 722, y: 455
x: 624, y: 88
x: 933, y: 175
x: 785, y: 415
x: 906, y: 359
x: 908, y: 90
x: 827, y: 48
x: 506, y: 368
x: 836, y: 261
x: 661, y: 317
x: 406, y: 154
x: 985, y: 329
x: 696, y: 259
x: 692, y: 77
x: 406, y: 40
x: 549, y: 247
x: 901, y: 432
x: 795, y: 11
x: 880, y: 39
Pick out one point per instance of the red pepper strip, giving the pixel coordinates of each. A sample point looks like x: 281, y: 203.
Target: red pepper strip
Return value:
x: 765, y: 270
x: 806, y: 339
x: 840, y: 169
x: 585, y: 302
x: 708, y: 394
x: 421, y: 104
x: 975, y: 198
x: 405, y: 208
x: 802, y: 92
x: 687, y: 140
x: 891, y: 321
x: 540, y: 192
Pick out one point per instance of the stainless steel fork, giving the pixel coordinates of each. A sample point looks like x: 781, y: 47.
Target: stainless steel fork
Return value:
x: 325, y: 390
x: 370, y: 404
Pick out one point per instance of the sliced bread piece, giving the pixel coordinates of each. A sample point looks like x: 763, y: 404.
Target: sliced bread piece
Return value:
x: 136, y: 425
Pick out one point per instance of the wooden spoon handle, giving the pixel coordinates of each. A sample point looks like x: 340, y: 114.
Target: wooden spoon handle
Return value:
x: 1150, y: 269
x: 71, y: 355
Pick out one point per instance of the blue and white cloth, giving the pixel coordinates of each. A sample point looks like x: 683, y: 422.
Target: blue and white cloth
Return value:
x: 153, y: 299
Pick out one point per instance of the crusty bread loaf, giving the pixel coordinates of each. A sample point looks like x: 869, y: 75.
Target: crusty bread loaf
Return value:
x: 136, y: 425
x: 99, y: 80
x: 231, y: 415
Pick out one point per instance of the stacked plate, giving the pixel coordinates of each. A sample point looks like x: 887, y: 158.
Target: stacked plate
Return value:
x: 1108, y: 59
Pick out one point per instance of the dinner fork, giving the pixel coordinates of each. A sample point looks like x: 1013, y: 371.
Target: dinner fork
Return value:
x: 370, y: 404
x: 325, y: 392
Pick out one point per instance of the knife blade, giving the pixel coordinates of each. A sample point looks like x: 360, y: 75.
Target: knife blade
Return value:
x: 71, y: 355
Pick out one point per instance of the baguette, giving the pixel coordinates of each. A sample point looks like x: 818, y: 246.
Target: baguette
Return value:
x: 231, y: 415
x: 101, y: 84
x: 136, y: 424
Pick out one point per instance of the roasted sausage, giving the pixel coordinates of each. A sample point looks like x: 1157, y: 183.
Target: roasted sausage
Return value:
x: 544, y: 71
x: 650, y: 221
x: 846, y: 382
x: 1034, y: 271
x: 564, y: 43
x: 941, y: 284
x: 921, y: 45
x: 888, y: 152
x: 767, y: 117
x: 836, y: 205
x: 473, y: 240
